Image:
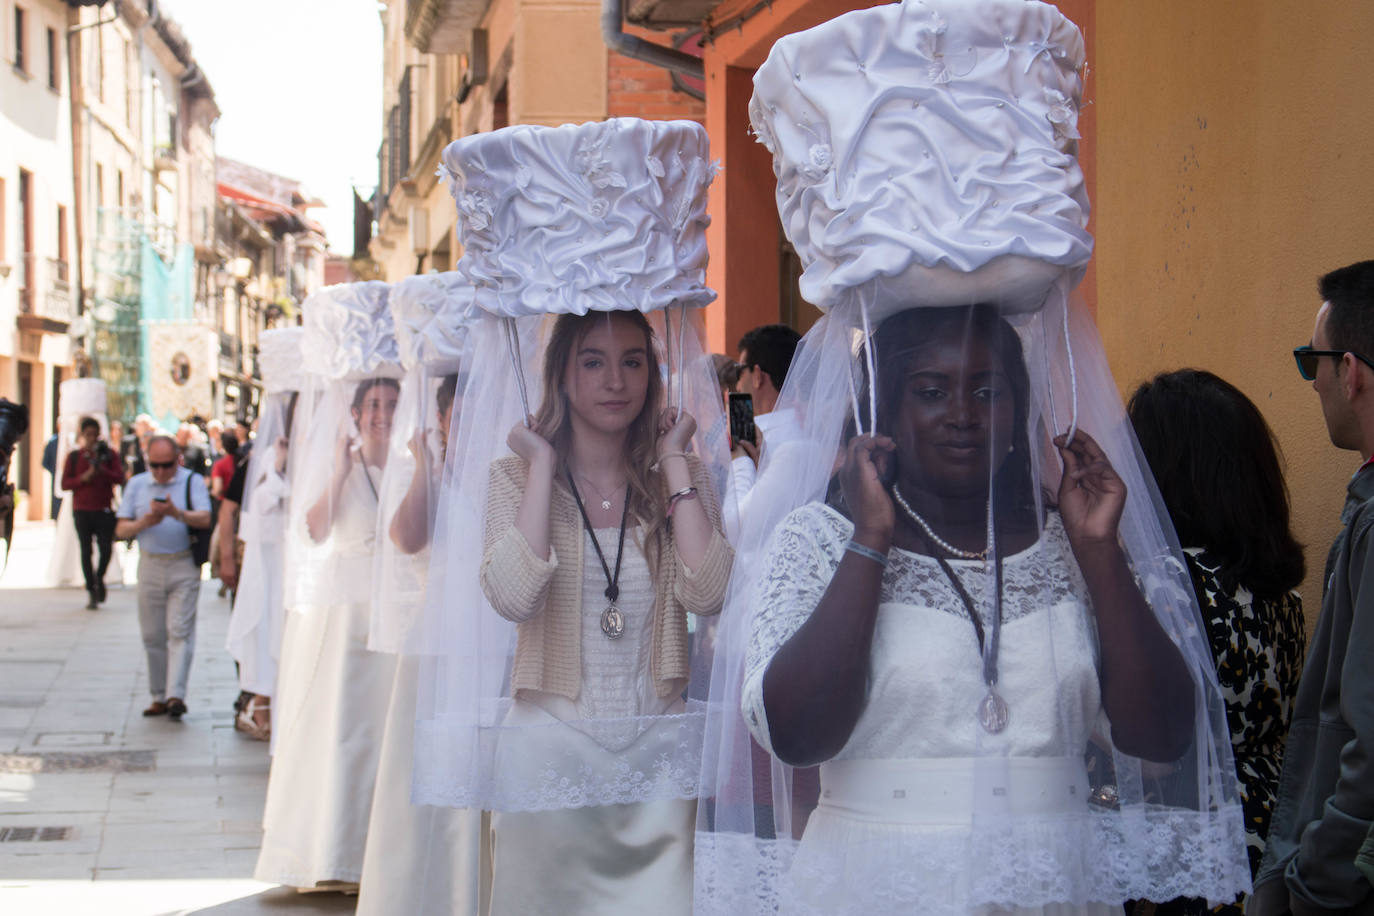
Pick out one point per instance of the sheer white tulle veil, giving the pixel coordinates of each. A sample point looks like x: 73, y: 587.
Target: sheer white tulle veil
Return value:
x: 927, y: 176
x: 583, y: 218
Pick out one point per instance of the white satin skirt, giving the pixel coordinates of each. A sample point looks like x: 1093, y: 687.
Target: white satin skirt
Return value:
x: 255, y: 624
x: 919, y: 836
x: 329, y: 715
x: 420, y: 859
x: 610, y: 860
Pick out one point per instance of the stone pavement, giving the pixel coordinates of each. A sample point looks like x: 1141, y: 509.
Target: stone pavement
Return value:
x: 101, y: 810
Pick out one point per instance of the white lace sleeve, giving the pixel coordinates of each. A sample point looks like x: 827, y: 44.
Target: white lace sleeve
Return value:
x: 802, y: 558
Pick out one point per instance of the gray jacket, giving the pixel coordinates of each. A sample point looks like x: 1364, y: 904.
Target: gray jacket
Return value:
x: 1325, y: 803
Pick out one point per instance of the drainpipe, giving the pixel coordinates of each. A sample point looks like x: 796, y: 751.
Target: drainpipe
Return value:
x: 613, y: 34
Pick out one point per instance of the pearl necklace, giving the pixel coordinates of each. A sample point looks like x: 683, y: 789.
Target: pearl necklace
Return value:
x: 935, y: 539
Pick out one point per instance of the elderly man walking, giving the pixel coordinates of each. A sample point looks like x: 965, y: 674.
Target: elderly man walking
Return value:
x: 160, y: 508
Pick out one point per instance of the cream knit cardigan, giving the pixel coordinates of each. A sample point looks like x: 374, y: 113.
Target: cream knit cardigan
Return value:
x: 544, y: 597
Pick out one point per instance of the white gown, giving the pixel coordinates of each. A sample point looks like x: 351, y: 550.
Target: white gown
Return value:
x: 922, y: 809
x: 257, y: 620
x: 64, y: 560
x: 329, y: 714
x: 599, y: 860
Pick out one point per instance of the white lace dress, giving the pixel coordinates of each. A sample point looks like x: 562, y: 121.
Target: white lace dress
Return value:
x: 923, y: 811
x: 602, y: 859
x: 329, y: 712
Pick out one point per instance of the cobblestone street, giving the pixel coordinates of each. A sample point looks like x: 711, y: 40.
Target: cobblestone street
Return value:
x: 102, y: 810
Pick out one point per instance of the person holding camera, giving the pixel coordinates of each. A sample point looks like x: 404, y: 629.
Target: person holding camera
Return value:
x: 90, y: 474
x: 161, y: 507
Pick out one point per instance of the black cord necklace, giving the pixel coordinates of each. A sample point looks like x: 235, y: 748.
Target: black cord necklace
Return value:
x: 612, y: 620
x: 992, y: 710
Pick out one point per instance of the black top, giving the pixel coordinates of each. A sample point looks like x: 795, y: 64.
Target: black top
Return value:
x: 234, y: 492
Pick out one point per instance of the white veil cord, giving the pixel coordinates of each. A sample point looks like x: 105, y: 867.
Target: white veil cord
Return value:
x: 598, y: 217
x: 349, y: 343
x: 931, y: 173
x: 258, y: 613
x: 431, y: 313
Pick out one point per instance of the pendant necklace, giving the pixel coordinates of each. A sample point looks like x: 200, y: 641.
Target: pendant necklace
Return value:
x: 612, y: 620
x: 992, y: 709
x: 605, y: 501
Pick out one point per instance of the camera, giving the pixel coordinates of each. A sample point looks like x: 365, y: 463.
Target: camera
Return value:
x: 14, y: 422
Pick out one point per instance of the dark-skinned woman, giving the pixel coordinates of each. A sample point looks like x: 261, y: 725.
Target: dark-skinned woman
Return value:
x: 954, y: 594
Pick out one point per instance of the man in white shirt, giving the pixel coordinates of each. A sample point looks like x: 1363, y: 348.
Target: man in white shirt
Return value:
x: 160, y: 507
x: 765, y: 355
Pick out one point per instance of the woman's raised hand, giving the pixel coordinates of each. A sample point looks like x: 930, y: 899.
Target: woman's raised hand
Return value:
x: 861, y: 476
x: 1091, y: 495
x: 419, y: 446
x: 343, y: 455
x: 534, y: 448
x: 675, y: 431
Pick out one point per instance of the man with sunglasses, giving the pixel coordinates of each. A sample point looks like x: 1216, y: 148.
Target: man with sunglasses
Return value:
x: 160, y: 507
x: 1325, y: 805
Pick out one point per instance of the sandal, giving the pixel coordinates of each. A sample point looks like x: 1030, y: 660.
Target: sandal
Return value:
x: 248, y: 722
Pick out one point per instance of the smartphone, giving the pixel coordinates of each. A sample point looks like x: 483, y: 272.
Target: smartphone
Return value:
x: 742, y: 418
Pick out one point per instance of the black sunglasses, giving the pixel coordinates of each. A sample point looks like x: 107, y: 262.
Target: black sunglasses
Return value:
x: 161, y: 465
x: 1307, y: 357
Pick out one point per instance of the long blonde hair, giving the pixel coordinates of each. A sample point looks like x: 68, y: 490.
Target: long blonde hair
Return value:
x: 553, y: 419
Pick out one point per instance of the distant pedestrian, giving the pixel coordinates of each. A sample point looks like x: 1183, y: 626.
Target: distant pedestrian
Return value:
x: 213, y: 449
x: 193, y: 456
x: 91, y: 474
x: 50, y: 465
x: 160, y: 507
x: 244, y: 432
x: 132, y: 451
x: 221, y: 473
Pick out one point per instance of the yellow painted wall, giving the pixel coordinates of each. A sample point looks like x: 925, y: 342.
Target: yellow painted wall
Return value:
x: 1235, y: 165
x: 559, y: 71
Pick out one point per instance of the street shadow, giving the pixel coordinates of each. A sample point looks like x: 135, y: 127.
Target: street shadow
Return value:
x: 278, y: 900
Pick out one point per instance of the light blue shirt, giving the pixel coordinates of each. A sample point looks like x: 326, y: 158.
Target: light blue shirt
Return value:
x: 168, y: 535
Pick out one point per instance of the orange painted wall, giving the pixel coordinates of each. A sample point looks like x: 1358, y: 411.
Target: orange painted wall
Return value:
x: 1234, y: 158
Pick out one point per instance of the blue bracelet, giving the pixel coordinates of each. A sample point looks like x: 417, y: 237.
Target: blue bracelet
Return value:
x: 869, y: 552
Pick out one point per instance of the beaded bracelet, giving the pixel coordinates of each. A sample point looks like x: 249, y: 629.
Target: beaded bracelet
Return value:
x: 855, y: 547
x: 679, y: 496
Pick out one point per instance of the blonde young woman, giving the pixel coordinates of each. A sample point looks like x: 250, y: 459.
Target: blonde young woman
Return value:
x: 602, y: 534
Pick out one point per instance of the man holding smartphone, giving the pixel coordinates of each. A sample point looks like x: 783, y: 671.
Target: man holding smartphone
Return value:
x: 160, y: 508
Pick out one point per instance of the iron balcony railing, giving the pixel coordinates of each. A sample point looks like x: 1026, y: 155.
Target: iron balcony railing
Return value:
x: 45, y: 288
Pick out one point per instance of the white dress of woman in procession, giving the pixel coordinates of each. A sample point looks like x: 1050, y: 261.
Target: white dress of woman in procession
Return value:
x: 957, y: 600
x: 76, y: 398
x: 258, y: 618
x: 420, y: 859
x: 580, y: 524
x: 332, y: 693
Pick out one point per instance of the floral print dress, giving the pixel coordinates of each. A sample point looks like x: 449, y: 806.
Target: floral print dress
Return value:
x: 1259, y: 647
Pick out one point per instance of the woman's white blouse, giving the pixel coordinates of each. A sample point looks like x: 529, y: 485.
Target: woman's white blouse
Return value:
x: 926, y: 676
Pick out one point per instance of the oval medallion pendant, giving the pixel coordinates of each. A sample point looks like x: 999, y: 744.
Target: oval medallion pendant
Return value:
x: 613, y: 625
x: 992, y: 711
